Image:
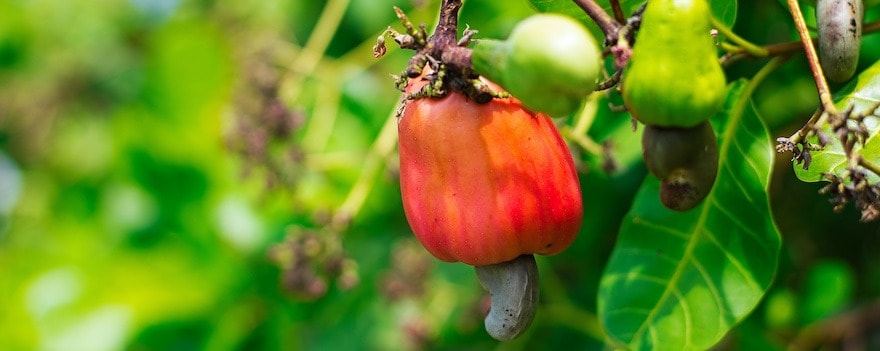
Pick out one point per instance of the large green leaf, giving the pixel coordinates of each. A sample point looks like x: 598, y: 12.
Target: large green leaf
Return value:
x: 680, y: 281
x: 862, y: 94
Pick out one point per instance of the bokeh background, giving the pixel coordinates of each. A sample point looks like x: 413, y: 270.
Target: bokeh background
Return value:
x: 221, y: 175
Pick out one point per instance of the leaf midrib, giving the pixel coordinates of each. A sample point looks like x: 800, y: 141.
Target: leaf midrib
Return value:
x: 730, y: 128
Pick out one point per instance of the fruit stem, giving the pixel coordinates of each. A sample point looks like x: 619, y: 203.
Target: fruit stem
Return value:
x: 583, y: 121
x: 606, y: 23
x: 869, y: 165
x: 787, y: 47
x: 618, y: 11
x: 804, y: 131
x: 611, y: 81
x: 443, y: 51
x: 748, y: 47
x: 812, y: 58
x: 443, y: 44
x: 583, y: 141
x: 490, y: 60
x: 587, y: 115
x: 446, y: 33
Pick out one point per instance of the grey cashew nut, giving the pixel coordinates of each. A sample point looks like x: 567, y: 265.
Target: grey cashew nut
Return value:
x: 513, y: 286
x: 839, y: 25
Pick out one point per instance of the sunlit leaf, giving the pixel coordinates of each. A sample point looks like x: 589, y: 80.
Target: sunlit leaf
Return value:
x: 680, y: 281
x: 863, y: 95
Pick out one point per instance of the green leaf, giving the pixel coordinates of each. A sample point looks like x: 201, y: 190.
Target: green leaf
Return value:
x: 863, y: 95
x: 681, y: 280
x: 724, y: 11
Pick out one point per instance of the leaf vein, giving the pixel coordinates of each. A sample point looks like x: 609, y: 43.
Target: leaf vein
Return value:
x: 733, y: 218
x: 688, y: 322
x: 748, y: 159
x: 712, y: 288
x: 639, y: 276
x: 661, y: 228
x: 754, y: 135
x: 676, y: 274
x: 742, y: 188
x: 629, y: 310
x: 653, y: 254
x: 734, y: 262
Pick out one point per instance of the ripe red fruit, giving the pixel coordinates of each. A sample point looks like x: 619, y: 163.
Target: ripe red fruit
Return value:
x: 485, y: 183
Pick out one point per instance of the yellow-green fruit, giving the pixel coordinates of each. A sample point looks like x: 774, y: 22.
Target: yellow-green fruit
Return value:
x: 550, y: 62
x: 685, y: 160
x: 673, y: 78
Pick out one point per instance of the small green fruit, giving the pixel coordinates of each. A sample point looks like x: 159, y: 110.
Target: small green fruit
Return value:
x: 550, y: 63
x: 839, y: 24
x: 685, y: 160
x: 673, y: 78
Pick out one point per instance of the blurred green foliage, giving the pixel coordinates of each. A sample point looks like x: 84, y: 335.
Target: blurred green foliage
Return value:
x: 210, y: 174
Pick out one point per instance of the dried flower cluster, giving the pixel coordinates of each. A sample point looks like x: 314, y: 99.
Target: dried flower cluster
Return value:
x: 853, y: 185
x: 410, y: 265
x: 263, y: 124
x: 309, y: 259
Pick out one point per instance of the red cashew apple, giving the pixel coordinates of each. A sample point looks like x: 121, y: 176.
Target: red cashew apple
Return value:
x: 489, y: 185
x: 485, y: 183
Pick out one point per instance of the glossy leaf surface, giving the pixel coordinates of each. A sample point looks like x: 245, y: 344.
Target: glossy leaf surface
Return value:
x: 681, y: 281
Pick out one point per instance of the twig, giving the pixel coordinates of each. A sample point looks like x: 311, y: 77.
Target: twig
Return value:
x: 869, y: 166
x: 587, y: 115
x: 808, y: 128
x: 605, y: 22
x: 618, y: 12
x: 584, y: 142
x: 610, y: 82
x: 745, y: 45
x: 446, y: 33
x: 578, y: 133
x: 812, y: 58
x: 736, y: 53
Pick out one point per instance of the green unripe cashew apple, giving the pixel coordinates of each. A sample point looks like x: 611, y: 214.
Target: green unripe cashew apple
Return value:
x: 685, y: 160
x: 550, y: 62
x: 673, y: 78
x: 839, y: 24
